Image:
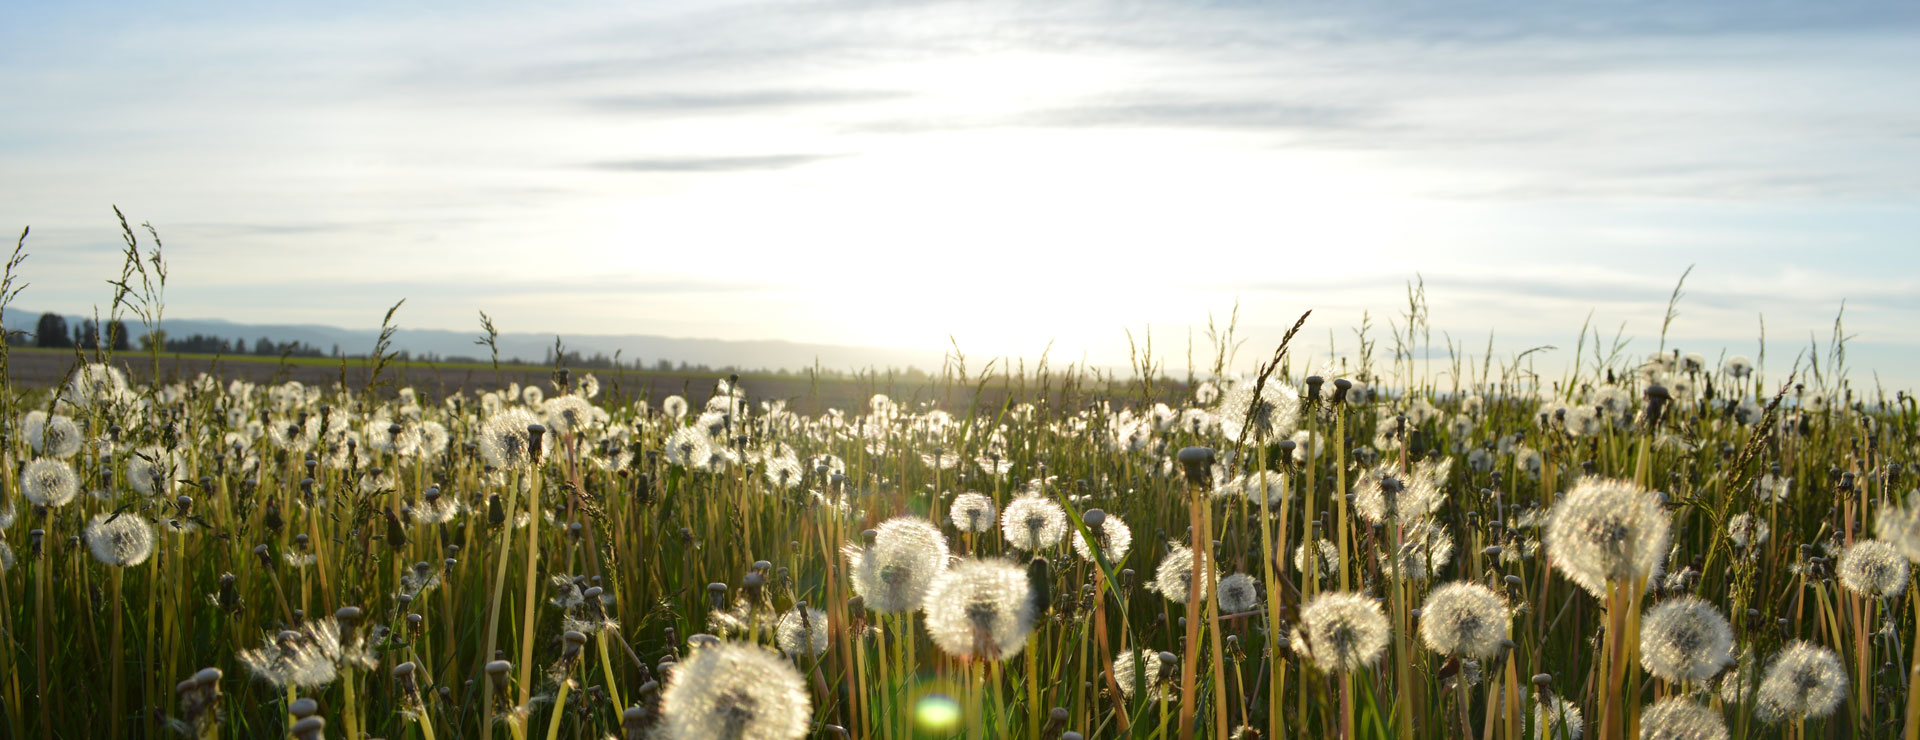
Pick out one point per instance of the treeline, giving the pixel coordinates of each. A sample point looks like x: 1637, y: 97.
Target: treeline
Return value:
x: 53, y: 332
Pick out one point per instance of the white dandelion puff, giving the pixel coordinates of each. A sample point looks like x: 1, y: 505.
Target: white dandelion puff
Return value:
x: 1271, y: 415
x: 49, y: 482
x: 980, y: 609
x: 1341, y: 631
x: 1685, y: 639
x: 1874, y: 568
x: 1555, y: 718
x: 1173, y: 577
x: 1746, y: 530
x: 1607, y: 530
x: 1238, y: 593
x: 894, y: 573
x: 734, y: 691
x: 120, y: 540
x: 1117, y: 541
x: 1465, y: 619
x: 1149, y: 675
x: 802, y: 631
x: 971, y: 512
x: 52, y: 435
x: 1679, y: 718
x: 504, y: 441
x: 1384, y: 495
x: 1805, y: 681
x: 1033, y: 523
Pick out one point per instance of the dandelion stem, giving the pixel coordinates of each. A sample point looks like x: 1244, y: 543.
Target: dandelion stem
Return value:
x: 533, y: 571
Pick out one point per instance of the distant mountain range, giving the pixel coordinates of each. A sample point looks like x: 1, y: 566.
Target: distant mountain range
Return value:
x: 764, y: 354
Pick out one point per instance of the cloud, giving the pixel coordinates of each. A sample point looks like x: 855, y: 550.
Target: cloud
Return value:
x: 739, y: 101
x: 749, y: 163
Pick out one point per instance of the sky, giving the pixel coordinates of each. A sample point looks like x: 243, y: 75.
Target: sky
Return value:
x: 1004, y: 177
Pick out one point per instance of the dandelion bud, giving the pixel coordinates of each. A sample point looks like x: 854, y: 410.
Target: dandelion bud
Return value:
x: 396, y: 534
x: 1313, y: 387
x: 1196, y: 461
x: 1039, y: 585
x: 633, y: 722
x: 1340, y: 388
x: 303, y: 708
x: 311, y: 728
x: 403, y: 674
x: 1657, y: 397
x: 348, y: 617
x: 1071, y: 735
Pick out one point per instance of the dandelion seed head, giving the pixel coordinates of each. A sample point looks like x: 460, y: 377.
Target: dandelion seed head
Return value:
x: 1557, y: 719
x: 802, y: 632
x: 1679, y: 718
x: 689, y: 447
x: 1326, y: 557
x: 1465, y: 619
x: 1747, y: 530
x: 1150, y: 676
x: 150, y: 470
x: 49, y: 482
x: 1033, y: 523
x: 971, y: 512
x: 1272, y: 414
x: 1874, y: 568
x: 1685, y: 639
x: 734, y: 691
x: 1805, y: 681
x: 567, y: 414
x: 893, y: 574
x: 783, y: 472
x: 1383, y: 495
x: 1238, y: 593
x: 52, y: 435
x: 504, y: 441
x: 120, y: 541
x: 1118, y: 541
x: 1172, y: 578
x: 1605, y: 530
x: 1425, y: 547
x: 980, y: 609
x: 1342, y: 631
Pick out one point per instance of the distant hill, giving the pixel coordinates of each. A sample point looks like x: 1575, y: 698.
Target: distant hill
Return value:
x: 763, y: 354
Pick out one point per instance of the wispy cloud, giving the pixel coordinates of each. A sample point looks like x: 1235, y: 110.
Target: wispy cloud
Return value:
x: 712, y: 164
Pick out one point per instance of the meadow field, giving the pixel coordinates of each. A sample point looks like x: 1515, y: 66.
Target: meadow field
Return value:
x: 1680, y: 545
